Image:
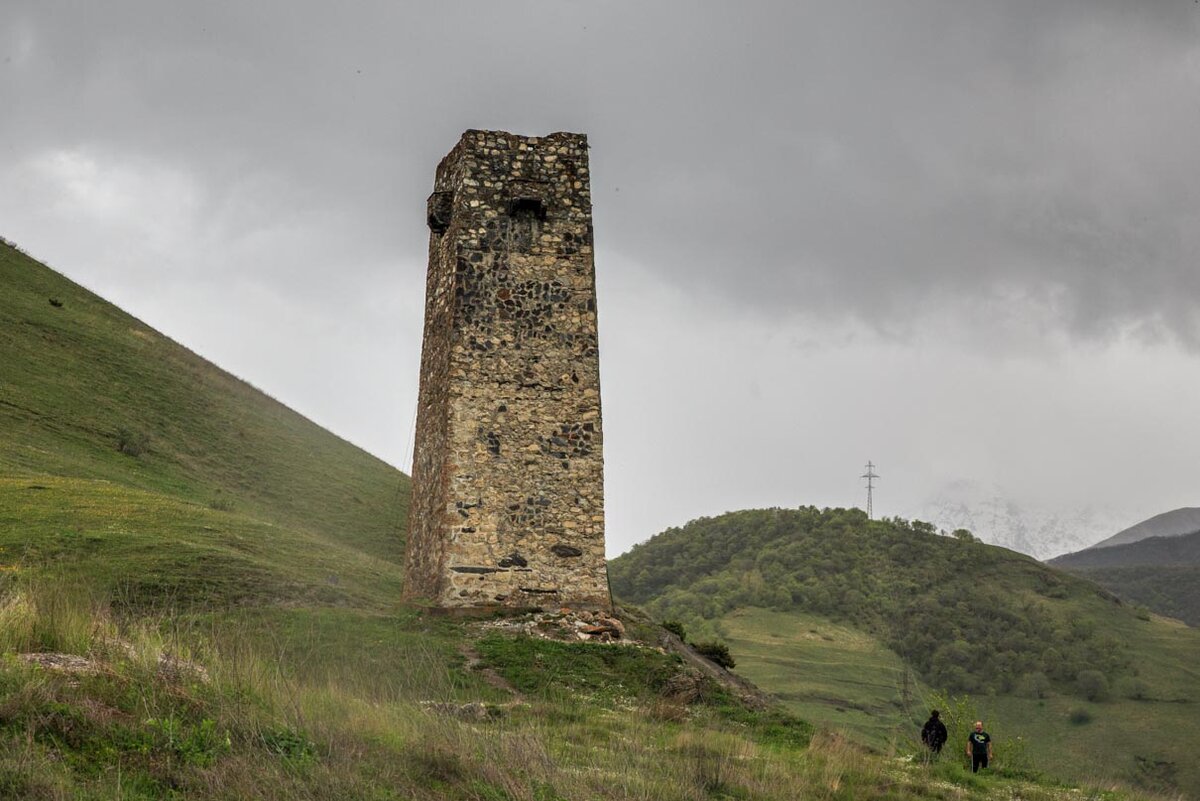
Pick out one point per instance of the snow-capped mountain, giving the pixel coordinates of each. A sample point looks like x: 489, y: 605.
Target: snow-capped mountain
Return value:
x: 1038, y: 531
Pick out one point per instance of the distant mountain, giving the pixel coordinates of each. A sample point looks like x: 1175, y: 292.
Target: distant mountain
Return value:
x: 1170, y: 550
x: 994, y: 517
x: 1168, y: 524
x: 1160, y: 573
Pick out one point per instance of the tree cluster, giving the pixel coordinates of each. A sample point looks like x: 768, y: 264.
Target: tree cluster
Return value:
x: 967, y: 616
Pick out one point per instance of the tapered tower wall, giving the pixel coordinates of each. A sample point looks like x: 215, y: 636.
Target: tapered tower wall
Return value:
x: 508, y: 473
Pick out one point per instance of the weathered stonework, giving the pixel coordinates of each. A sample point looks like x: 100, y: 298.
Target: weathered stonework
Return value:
x: 508, y: 478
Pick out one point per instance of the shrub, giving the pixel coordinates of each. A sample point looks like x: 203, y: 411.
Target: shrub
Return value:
x: 1035, y: 685
x: 1079, y: 717
x: 1133, y: 688
x: 1092, y: 685
x: 132, y: 443
x: 221, y: 505
x: 435, y: 763
x: 676, y: 628
x: 199, y: 743
x: 710, y: 767
x: 717, y: 652
x: 289, y: 745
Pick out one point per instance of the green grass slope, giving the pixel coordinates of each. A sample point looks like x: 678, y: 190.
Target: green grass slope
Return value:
x: 861, y: 623
x: 199, y: 600
x: 331, y: 704
x: 81, y: 380
x: 1173, y: 591
x: 844, y: 677
x: 124, y: 451
x: 828, y: 672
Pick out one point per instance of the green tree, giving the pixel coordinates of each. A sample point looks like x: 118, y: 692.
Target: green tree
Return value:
x: 1092, y: 685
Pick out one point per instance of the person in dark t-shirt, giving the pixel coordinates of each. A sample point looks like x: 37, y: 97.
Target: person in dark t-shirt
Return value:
x: 934, y: 733
x: 979, y: 747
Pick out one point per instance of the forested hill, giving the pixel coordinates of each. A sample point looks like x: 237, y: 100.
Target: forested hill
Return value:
x: 1161, y: 573
x: 1163, y: 551
x: 966, y: 615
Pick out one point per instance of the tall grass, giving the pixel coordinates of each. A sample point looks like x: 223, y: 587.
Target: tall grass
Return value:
x: 287, y: 708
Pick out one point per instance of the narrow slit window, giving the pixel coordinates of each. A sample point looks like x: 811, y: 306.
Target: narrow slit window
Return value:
x: 439, y: 209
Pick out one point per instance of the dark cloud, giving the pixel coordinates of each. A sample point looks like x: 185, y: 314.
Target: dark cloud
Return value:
x: 849, y: 158
x: 251, y: 176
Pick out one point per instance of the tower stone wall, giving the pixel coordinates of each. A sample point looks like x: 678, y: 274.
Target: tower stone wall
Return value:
x: 508, y: 479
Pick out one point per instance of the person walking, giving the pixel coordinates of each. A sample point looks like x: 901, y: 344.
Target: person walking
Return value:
x: 979, y: 747
x: 934, y: 733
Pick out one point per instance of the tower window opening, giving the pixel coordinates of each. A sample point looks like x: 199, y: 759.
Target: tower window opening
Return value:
x: 439, y: 209
x: 527, y: 208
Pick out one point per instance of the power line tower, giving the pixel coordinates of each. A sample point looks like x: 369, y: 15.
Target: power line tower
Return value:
x: 870, y: 476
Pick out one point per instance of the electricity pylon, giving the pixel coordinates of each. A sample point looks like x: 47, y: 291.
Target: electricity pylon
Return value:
x: 870, y: 476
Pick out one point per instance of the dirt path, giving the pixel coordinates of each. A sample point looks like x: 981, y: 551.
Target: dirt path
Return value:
x: 493, y: 679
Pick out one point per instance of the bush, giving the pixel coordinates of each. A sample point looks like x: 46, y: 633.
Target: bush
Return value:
x: 717, y: 652
x: 221, y: 505
x: 1092, y: 685
x: 1133, y: 688
x: 132, y: 443
x: 1035, y: 685
x: 290, y: 745
x: 676, y: 628
x: 1079, y: 717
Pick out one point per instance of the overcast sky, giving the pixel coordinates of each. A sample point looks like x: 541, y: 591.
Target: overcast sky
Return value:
x: 960, y: 239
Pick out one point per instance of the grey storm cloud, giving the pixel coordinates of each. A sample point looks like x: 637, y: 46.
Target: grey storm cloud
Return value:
x: 871, y: 159
x: 959, y: 238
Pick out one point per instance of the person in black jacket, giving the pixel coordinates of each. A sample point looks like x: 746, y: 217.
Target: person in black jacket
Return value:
x: 934, y: 733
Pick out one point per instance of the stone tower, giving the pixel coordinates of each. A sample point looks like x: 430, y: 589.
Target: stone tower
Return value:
x: 508, y: 479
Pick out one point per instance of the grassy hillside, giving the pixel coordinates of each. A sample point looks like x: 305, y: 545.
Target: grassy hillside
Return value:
x: 86, y: 391
x: 1170, y: 591
x: 199, y: 599
x: 1160, y: 573
x: 331, y: 704
x: 857, y: 623
x: 828, y: 672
